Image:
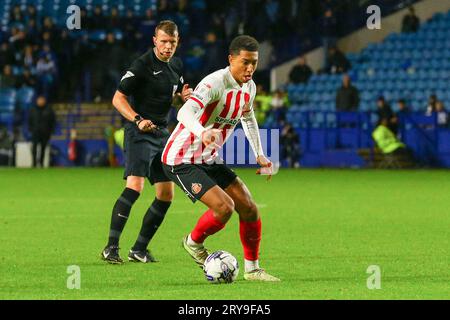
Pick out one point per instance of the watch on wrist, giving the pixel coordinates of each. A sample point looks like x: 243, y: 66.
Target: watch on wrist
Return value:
x: 138, y: 119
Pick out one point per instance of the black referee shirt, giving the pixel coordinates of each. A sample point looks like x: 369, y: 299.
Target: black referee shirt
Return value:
x: 151, y: 84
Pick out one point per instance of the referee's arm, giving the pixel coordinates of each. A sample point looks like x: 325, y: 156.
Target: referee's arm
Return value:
x: 127, y: 87
x: 120, y: 102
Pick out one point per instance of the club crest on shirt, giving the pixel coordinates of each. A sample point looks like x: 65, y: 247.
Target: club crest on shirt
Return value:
x: 196, y: 188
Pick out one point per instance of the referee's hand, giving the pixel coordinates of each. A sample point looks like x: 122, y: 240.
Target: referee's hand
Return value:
x: 186, y: 92
x: 147, y: 126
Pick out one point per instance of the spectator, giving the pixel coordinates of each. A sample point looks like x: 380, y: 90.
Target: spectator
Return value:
x: 403, y: 109
x: 336, y: 61
x: 97, y: 20
x: 388, y: 142
x: 442, y: 115
x: 402, y: 112
x: 347, y: 97
x: 410, y: 22
x: 329, y: 28
x: 41, y: 123
x: 301, y: 72
x: 384, y: 111
x: 261, y: 104
x: 114, y: 58
x: 290, y: 146
x: 148, y: 24
x: 32, y: 32
x: 48, y: 26
x: 7, y: 79
x: 31, y: 13
x: 215, y: 50
x: 431, y: 107
x: 16, y: 16
x: 46, y: 74
x: 114, y: 19
x: 6, y: 54
x: 17, y: 39
x: 26, y: 79
x: 29, y: 58
x: 279, y: 104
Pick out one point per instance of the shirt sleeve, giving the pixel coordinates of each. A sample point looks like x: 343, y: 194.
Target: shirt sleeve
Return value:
x: 180, y: 67
x: 206, y: 92
x: 130, y: 80
x: 250, y: 125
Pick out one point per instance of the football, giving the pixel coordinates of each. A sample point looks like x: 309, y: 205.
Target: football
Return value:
x: 221, y: 267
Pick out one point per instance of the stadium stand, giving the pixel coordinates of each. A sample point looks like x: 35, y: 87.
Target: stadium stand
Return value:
x: 65, y: 65
x: 410, y: 66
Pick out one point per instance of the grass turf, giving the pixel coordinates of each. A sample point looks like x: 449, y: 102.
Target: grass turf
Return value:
x: 322, y: 229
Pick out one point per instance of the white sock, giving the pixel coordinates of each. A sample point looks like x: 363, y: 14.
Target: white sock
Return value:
x: 192, y: 243
x: 251, y: 265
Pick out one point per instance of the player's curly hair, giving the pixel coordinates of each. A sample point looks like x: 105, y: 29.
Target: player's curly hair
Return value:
x: 243, y: 42
x: 168, y: 27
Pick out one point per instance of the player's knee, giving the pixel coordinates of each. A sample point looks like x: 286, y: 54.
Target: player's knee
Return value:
x: 252, y: 209
x: 225, y: 208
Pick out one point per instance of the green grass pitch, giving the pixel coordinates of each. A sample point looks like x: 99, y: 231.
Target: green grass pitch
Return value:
x: 322, y: 229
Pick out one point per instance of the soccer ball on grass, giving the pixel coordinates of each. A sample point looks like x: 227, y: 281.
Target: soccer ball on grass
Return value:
x: 221, y: 267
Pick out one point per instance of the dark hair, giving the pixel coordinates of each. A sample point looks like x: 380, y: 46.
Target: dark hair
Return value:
x: 168, y: 27
x: 243, y: 42
x: 402, y: 101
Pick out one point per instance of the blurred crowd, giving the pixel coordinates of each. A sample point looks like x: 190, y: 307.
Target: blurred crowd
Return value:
x: 42, y: 53
x: 63, y: 65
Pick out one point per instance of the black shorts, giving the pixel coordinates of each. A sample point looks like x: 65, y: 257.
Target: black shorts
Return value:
x: 196, y: 179
x: 143, y: 153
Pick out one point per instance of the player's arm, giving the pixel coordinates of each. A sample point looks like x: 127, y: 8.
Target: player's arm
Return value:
x: 251, y: 129
x: 187, y: 116
x: 203, y: 94
x: 127, y: 86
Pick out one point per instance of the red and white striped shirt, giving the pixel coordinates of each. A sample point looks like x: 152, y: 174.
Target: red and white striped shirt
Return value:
x: 220, y: 103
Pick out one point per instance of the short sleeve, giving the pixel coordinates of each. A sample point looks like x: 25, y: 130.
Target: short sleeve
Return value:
x: 130, y: 80
x: 180, y: 71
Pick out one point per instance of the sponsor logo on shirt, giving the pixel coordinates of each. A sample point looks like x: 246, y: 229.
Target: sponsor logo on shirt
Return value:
x: 221, y: 120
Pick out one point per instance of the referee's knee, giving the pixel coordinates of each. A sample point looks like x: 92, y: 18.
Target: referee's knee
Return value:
x: 136, y: 184
x: 165, y: 195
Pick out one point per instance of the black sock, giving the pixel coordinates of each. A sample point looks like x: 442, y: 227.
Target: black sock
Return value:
x: 152, y: 220
x: 120, y: 214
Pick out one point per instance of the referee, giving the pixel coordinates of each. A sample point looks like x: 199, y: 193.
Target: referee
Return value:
x: 151, y: 82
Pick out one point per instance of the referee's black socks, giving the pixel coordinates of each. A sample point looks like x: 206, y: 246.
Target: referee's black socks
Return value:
x: 152, y: 220
x: 120, y: 214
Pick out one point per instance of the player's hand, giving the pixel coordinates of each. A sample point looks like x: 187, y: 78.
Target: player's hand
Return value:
x: 211, y: 137
x: 186, y: 92
x: 266, y: 166
x: 147, y: 126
